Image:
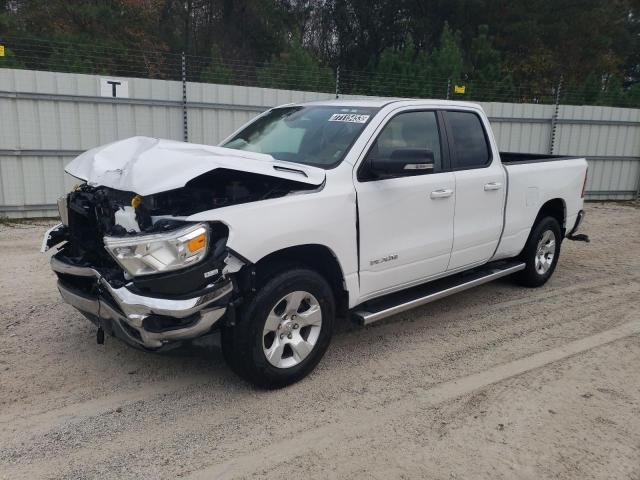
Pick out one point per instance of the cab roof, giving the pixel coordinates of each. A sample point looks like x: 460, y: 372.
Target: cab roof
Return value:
x: 382, y: 102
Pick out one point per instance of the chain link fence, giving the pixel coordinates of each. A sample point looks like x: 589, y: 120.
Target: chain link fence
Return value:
x: 289, y: 74
x: 53, y: 107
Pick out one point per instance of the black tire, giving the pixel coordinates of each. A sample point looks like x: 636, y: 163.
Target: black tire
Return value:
x: 535, y: 275
x: 242, y: 344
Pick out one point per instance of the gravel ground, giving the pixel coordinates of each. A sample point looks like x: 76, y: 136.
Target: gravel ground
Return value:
x: 496, y: 382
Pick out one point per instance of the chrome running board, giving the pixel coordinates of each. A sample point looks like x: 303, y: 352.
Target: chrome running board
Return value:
x: 395, y: 303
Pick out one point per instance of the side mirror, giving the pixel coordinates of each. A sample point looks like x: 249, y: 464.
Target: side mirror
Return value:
x: 406, y: 161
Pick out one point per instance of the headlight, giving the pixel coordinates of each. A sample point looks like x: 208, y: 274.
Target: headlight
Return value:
x: 160, y: 252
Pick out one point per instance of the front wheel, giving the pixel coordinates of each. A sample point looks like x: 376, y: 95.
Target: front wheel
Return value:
x: 283, y: 331
x: 540, y: 253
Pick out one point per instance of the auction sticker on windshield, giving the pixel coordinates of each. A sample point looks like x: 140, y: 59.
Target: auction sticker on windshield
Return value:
x: 349, y: 117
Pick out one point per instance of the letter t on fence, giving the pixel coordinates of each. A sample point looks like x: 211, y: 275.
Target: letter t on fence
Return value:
x: 113, y: 84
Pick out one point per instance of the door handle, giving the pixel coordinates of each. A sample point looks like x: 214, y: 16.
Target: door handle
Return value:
x: 492, y: 186
x: 441, y: 193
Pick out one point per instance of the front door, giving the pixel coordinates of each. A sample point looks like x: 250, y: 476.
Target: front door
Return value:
x: 406, y: 213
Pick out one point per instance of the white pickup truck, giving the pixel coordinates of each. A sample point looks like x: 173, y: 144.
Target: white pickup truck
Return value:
x: 308, y: 213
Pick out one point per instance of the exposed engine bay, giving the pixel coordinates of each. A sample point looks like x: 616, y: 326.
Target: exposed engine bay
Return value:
x: 95, y: 212
x: 96, y: 209
x: 219, y: 188
x: 132, y: 257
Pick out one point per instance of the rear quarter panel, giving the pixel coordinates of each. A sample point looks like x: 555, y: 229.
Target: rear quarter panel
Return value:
x: 530, y: 186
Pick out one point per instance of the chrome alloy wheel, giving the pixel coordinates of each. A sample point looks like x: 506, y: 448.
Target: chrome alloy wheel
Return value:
x: 292, y: 329
x: 545, y: 252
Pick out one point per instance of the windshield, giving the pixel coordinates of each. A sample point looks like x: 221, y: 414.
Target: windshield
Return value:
x: 318, y: 135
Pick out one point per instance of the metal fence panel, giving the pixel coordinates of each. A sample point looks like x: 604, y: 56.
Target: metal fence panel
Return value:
x: 612, y: 178
x: 598, y: 131
x: 520, y: 127
x: 49, y: 117
x: 215, y: 111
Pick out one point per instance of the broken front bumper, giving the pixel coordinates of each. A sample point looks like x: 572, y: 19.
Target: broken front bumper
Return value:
x: 141, y: 321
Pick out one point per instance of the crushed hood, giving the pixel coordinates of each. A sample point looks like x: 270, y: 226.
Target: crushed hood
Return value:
x: 149, y: 165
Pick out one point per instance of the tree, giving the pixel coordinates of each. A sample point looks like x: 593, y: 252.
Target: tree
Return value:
x: 591, y: 89
x: 295, y: 69
x: 87, y: 36
x: 402, y: 72
x: 216, y: 71
x: 446, y: 61
x: 10, y: 60
x: 484, y: 69
x: 502, y: 50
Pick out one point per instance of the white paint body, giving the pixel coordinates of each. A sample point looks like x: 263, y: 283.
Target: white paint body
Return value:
x: 150, y: 165
x: 361, y: 222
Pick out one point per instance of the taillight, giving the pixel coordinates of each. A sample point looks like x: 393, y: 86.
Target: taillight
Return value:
x: 584, y: 185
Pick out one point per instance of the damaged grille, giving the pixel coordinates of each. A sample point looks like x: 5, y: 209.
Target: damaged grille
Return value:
x: 91, y: 216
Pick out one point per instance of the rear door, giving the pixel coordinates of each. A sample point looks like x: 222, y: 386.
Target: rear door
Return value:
x: 480, y: 183
x: 405, y: 219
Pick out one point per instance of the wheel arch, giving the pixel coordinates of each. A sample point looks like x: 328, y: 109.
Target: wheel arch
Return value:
x: 317, y: 257
x: 555, y: 208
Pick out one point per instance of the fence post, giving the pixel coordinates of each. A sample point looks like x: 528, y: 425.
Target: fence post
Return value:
x: 338, y: 81
x: 185, y: 126
x: 554, y: 119
x: 448, y: 88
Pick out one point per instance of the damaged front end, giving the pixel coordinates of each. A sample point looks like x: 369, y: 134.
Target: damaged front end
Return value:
x: 129, y: 259
x: 137, y: 270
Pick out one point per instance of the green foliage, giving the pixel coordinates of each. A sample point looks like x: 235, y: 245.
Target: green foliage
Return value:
x: 487, y: 80
x: 406, y: 72
x: 633, y: 96
x: 591, y: 89
x: 446, y: 61
x: 400, y: 72
x: 295, y: 69
x: 10, y: 60
x: 217, y: 71
x: 513, y: 53
x: 485, y: 58
x: 614, y: 94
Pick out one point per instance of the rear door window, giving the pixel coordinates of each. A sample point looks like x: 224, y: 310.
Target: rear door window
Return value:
x: 468, y: 141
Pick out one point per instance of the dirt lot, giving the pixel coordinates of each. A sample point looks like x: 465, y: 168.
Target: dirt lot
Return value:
x: 497, y: 382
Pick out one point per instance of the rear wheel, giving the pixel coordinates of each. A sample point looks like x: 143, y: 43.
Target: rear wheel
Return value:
x: 540, y: 253
x: 283, y: 331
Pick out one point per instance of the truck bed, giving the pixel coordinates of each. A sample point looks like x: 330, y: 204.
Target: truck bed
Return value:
x: 514, y: 158
x: 532, y: 180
